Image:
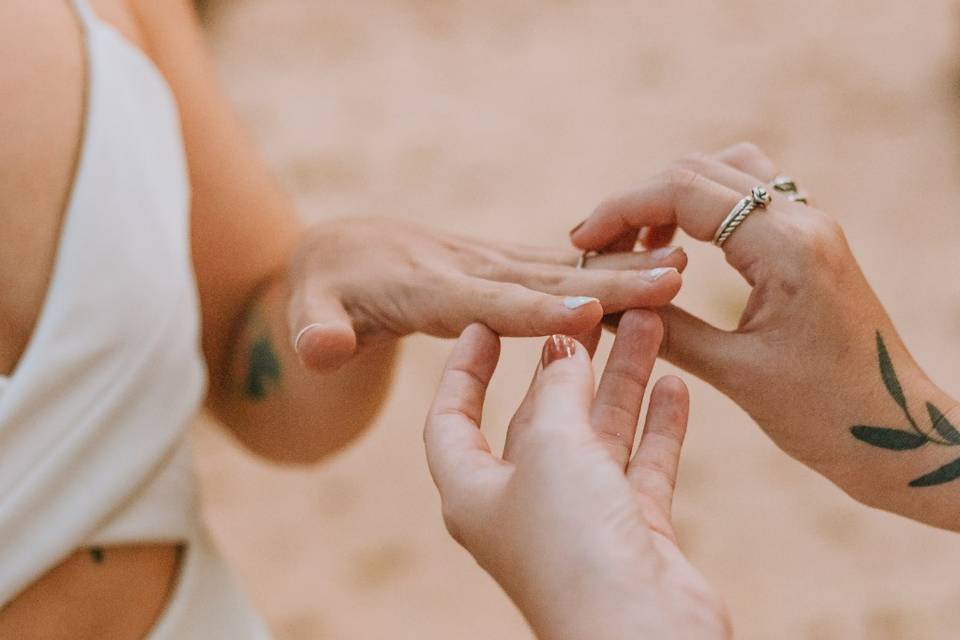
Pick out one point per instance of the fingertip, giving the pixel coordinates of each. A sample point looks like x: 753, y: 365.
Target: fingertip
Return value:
x: 679, y: 259
x: 479, y: 332
x: 673, y: 387
x: 578, y: 315
x: 641, y: 321
x: 325, y: 346
x: 664, y: 285
x: 671, y: 397
x: 477, y: 342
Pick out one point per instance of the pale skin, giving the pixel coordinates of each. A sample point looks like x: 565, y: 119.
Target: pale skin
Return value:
x: 264, y: 276
x: 572, y: 524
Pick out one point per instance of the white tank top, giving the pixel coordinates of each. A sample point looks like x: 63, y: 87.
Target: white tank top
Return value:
x: 93, y: 416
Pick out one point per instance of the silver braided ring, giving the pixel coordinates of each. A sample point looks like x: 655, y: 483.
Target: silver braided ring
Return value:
x: 787, y: 186
x: 759, y: 198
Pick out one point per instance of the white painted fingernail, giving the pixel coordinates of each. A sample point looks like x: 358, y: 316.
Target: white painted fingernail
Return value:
x: 666, y: 252
x: 655, y: 274
x: 303, y: 332
x: 577, y: 302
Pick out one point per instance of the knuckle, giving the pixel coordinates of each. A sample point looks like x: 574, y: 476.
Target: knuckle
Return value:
x: 680, y: 179
x: 819, y: 237
x: 694, y: 162
x: 747, y: 149
x: 607, y: 206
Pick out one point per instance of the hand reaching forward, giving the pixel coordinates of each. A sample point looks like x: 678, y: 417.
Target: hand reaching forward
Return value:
x: 362, y: 281
x: 576, y: 531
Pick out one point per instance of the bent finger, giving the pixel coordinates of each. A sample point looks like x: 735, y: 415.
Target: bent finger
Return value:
x: 681, y: 196
x: 320, y: 328
x: 454, y: 444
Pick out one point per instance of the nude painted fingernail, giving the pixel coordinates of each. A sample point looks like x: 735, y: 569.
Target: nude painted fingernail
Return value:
x: 557, y: 348
x: 577, y: 228
x: 575, y: 302
x: 303, y: 332
x: 655, y: 274
x: 664, y: 253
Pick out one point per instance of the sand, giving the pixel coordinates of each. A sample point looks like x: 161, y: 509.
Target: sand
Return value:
x: 510, y: 119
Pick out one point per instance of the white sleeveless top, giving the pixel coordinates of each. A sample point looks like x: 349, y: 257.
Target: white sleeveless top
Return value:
x: 93, y: 418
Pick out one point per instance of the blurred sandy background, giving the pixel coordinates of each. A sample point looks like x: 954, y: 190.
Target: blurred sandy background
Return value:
x: 510, y: 119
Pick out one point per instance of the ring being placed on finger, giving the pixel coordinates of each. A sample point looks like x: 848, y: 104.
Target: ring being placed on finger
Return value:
x: 759, y: 198
x: 582, y: 260
x: 788, y: 186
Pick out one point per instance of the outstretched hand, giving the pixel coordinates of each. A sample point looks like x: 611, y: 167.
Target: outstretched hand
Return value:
x: 359, y: 282
x: 573, y: 528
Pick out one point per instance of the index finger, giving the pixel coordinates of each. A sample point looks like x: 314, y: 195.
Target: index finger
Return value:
x: 455, y: 446
x: 695, y: 202
x: 677, y: 196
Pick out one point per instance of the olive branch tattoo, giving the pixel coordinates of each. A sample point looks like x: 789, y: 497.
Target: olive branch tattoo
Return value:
x: 943, y: 432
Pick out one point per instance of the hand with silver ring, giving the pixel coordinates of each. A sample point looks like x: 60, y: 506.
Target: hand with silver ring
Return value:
x: 815, y: 359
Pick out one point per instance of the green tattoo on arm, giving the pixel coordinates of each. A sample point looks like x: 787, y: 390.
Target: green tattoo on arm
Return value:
x: 263, y: 364
x: 942, y: 433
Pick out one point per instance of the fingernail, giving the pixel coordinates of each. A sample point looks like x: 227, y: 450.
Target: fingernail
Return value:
x: 303, y: 332
x: 557, y: 348
x: 664, y: 253
x: 577, y: 228
x: 577, y: 301
x: 655, y: 274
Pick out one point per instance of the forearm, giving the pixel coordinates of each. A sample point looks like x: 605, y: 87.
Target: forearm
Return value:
x: 905, y: 446
x: 874, y: 423
x: 277, y: 407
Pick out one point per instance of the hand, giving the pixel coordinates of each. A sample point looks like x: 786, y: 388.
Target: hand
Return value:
x: 361, y: 281
x: 575, y: 531
x: 815, y: 359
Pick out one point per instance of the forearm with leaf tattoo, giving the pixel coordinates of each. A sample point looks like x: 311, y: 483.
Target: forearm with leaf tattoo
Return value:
x: 941, y: 431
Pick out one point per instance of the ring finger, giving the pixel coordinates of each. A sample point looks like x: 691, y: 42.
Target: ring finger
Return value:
x: 617, y: 290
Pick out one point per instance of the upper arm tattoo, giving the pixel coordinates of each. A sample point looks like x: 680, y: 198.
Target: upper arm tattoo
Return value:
x: 941, y: 433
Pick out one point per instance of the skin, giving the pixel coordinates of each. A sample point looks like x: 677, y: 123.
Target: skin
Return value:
x: 809, y: 332
x: 263, y: 276
x: 572, y: 527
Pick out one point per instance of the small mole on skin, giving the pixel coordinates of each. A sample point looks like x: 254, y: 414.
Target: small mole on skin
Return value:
x: 96, y: 554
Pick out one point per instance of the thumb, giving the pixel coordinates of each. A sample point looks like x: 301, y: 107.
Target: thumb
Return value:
x: 718, y: 357
x: 321, y: 329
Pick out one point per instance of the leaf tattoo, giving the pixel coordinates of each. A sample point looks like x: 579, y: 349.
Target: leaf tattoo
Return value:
x: 946, y: 473
x: 264, y: 369
x: 894, y: 439
x: 942, y: 425
x: 902, y: 440
x: 889, y: 374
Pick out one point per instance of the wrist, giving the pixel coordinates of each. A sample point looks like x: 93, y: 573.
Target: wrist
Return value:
x: 589, y: 600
